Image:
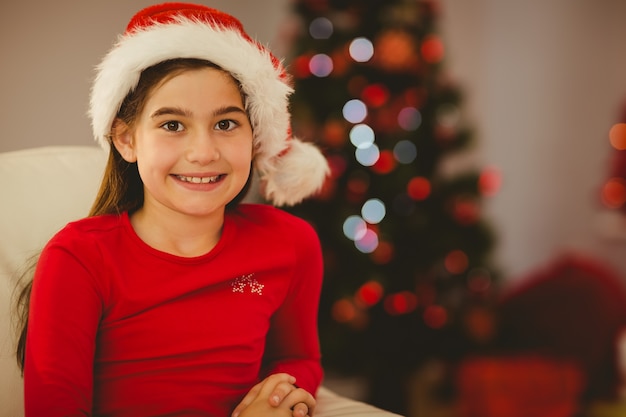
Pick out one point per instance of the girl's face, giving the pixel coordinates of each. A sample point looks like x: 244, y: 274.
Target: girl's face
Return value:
x: 192, y: 143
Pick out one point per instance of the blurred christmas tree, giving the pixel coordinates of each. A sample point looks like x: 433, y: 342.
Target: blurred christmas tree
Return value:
x: 407, y: 270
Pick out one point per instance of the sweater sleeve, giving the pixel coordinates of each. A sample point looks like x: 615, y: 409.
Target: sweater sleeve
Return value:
x: 65, y: 308
x: 292, y: 342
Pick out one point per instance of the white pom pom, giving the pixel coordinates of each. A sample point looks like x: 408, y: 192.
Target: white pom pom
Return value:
x: 297, y: 174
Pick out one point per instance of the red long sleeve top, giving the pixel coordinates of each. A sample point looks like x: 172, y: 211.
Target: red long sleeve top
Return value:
x: 117, y: 328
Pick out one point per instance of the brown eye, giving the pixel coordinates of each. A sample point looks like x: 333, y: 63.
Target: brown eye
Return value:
x: 173, y: 126
x: 225, y: 125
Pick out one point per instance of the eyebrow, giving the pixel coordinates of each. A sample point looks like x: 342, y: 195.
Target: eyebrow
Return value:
x: 178, y: 111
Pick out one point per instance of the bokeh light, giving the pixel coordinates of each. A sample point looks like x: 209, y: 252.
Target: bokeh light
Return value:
x: 369, y: 293
x: 361, y: 49
x: 617, y: 136
x: 456, y: 262
x: 400, y: 303
x: 321, y: 65
x: 435, y: 316
x: 367, y: 156
x: 373, y: 211
x: 354, y: 111
x: 489, y: 181
x: 375, y: 95
x: 343, y: 311
x: 362, y: 136
x: 409, y: 119
x: 368, y: 242
x: 432, y: 49
x: 354, y: 227
x: 321, y: 28
x: 405, y: 151
x: 383, y: 253
x: 385, y: 163
x: 418, y: 188
x: 614, y: 193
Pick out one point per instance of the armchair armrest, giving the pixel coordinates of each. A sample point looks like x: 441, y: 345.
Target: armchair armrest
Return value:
x: 330, y: 404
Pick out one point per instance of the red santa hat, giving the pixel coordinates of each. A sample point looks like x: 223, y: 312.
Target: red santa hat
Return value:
x: 290, y: 169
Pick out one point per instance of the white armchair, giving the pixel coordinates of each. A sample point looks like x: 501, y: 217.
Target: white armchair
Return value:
x: 42, y: 189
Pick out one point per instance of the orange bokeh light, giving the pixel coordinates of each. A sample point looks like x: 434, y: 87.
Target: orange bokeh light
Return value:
x: 456, y: 262
x: 614, y: 193
x: 617, y: 136
x: 432, y: 49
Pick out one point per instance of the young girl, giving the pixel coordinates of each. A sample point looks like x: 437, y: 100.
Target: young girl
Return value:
x: 173, y: 298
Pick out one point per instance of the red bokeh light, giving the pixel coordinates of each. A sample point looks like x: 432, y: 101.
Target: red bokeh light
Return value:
x: 369, y: 293
x: 418, y: 188
x: 400, y: 303
x: 456, y: 262
x: 435, y: 316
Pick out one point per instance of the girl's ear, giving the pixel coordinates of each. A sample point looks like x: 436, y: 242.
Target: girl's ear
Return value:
x: 122, y: 138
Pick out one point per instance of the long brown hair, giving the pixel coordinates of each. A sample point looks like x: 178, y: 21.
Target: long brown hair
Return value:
x: 121, y: 188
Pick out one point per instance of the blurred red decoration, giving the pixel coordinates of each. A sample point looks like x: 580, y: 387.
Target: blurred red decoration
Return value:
x: 418, y: 188
x: 456, y: 262
x: 343, y: 310
x: 375, y: 95
x: 465, y: 210
x: 400, y: 303
x: 300, y: 66
x: 385, y: 164
x: 435, y: 316
x: 432, y: 49
x: 489, y: 181
x: 335, y: 133
x: 614, y: 193
x: 369, y: 293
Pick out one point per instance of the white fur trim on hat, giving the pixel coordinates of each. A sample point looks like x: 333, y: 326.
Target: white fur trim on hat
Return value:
x: 279, y: 158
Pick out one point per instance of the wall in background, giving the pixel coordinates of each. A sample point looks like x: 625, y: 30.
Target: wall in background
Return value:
x: 544, y: 81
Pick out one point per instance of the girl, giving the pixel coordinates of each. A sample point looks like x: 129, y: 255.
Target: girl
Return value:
x: 173, y: 298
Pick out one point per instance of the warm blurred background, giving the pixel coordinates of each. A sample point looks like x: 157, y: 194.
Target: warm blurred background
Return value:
x: 474, y: 225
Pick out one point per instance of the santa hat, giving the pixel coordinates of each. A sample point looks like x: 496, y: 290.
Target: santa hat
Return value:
x: 290, y: 169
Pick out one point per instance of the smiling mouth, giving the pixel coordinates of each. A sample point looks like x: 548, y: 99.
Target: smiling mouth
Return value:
x: 199, y: 180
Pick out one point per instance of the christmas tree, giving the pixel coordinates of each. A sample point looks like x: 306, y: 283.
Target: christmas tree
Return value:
x: 406, y: 248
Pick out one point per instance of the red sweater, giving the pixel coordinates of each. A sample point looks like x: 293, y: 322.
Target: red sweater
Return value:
x: 117, y: 328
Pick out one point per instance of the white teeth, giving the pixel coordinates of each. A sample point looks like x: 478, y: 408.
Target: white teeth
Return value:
x: 198, y: 180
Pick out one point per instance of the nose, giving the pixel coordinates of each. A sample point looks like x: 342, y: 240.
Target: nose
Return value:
x: 202, y: 148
